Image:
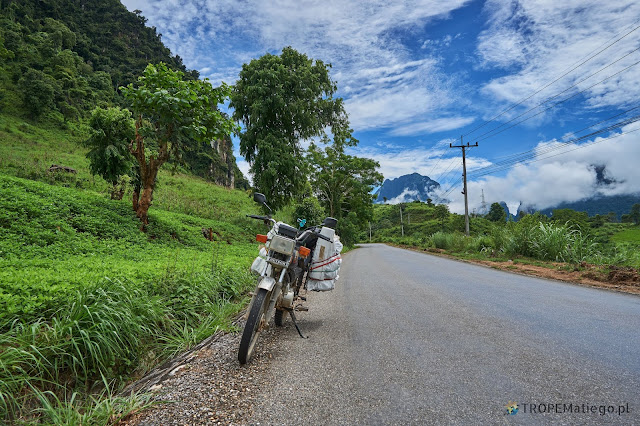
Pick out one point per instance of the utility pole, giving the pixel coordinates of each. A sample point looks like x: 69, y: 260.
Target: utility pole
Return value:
x: 369, y: 231
x: 401, y: 224
x: 408, y: 218
x: 464, y: 177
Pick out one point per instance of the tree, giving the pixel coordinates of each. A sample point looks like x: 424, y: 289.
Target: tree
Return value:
x: 441, y: 211
x: 571, y: 218
x: 309, y: 208
x: 39, y: 90
x: 171, y: 114
x: 634, y: 214
x: 281, y: 100
x: 112, y: 130
x: 496, y: 213
x: 343, y: 184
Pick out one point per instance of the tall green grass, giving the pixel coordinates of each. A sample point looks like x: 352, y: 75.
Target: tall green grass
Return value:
x: 530, y: 239
x: 110, y: 332
x: 87, y: 301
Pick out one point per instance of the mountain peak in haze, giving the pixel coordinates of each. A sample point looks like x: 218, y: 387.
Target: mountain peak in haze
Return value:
x: 408, y: 188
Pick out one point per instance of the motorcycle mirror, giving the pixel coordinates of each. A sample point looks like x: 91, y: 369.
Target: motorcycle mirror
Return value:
x: 259, y: 198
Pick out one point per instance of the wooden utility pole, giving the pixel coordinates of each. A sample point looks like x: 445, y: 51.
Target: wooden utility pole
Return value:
x: 369, y: 231
x: 464, y: 177
x: 401, y: 224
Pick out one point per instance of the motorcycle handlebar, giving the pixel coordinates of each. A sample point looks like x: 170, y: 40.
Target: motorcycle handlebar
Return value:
x: 323, y: 237
x: 253, y: 216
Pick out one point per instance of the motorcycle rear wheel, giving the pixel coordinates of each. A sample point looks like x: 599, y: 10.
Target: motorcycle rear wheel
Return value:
x: 252, y: 326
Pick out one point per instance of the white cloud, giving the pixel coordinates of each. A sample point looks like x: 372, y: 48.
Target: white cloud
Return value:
x: 383, y: 84
x: 406, y: 196
x: 244, y: 168
x: 436, y: 162
x: 433, y: 126
x: 538, y: 41
x: 570, y: 176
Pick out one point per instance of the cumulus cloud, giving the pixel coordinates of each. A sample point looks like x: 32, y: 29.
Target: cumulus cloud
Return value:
x: 406, y: 196
x: 566, y: 174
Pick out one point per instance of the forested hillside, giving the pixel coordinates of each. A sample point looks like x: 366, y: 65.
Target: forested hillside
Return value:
x: 60, y: 59
x: 71, y: 55
x: 87, y: 300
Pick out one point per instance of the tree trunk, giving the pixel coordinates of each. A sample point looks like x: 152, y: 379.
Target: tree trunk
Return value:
x: 117, y: 192
x: 148, y: 172
x: 136, y: 197
x: 148, y: 185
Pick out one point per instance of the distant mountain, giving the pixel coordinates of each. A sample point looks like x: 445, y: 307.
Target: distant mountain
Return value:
x: 510, y: 215
x: 408, y: 188
x: 620, y: 204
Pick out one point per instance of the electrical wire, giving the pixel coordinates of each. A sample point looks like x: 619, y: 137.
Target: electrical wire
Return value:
x: 535, y: 159
x: 488, y: 134
x: 554, y: 81
x: 516, y: 158
x: 575, y: 133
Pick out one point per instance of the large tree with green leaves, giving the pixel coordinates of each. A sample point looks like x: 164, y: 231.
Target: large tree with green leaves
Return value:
x: 635, y: 213
x: 343, y: 184
x: 281, y: 100
x: 171, y: 115
x: 112, y: 130
x: 496, y: 213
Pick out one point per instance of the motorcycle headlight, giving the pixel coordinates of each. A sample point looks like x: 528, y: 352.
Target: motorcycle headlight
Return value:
x: 282, y: 245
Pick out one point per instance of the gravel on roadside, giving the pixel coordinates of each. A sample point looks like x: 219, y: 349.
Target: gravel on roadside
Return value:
x: 211, y: 388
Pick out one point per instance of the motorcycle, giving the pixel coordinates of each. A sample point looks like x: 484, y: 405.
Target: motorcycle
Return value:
x: 284, y: 267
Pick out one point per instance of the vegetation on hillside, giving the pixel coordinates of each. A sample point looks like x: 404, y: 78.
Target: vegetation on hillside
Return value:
x: 60, y: 59
x: 76, y: 273
x: 568, y: 236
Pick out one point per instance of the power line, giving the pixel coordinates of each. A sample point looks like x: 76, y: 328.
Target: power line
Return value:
x: 453, y: 184
x: 515, y: 158
x: 535, y: 159
x: 549, y: 107
x: 442, y: 175
x: 549, y: 84
x: 575, y: 133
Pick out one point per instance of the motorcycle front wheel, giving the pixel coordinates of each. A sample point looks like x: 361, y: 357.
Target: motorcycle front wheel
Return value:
x: 252, y: 327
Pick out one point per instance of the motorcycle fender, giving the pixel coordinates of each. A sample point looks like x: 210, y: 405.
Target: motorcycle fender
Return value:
x: 267, y: 283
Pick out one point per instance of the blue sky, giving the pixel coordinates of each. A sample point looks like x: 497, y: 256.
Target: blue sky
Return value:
x: 418, y: 74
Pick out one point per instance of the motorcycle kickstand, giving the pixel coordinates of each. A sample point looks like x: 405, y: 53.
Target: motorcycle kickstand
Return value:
x: 293, y: 318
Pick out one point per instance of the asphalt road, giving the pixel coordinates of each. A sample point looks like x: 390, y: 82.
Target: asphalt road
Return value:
x: 409, y: 338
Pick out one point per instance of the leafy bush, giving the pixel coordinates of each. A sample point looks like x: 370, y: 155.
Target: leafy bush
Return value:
x: 310, y: 209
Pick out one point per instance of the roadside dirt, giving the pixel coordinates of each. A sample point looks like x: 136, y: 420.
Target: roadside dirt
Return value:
x: 206, y: 385
x: 617, y: 278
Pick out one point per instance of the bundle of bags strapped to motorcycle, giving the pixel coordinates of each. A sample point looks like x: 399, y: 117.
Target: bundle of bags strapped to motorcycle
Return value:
x: 325, y: 261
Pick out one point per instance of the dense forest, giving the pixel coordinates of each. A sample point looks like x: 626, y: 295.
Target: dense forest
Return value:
x: 60, y: 59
